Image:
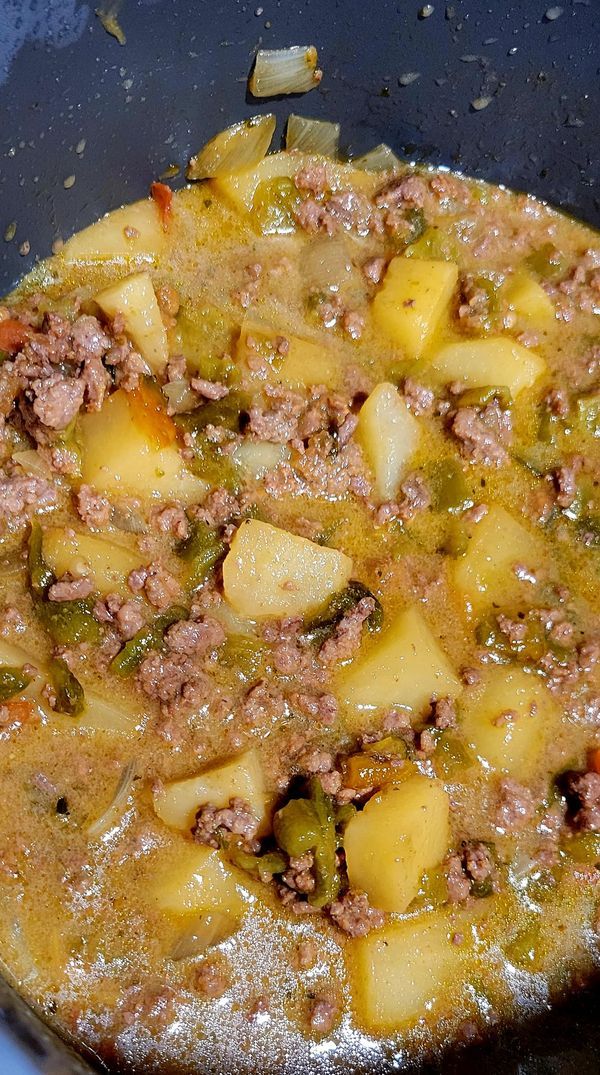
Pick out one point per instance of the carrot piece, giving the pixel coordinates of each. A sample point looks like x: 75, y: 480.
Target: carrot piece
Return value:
x: 19, y: 710
x: 594, y: 759
x: 148, y: 411
x: 163, y: 196
x: 13, y: 335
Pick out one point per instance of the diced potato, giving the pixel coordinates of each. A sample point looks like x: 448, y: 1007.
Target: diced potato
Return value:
x: 120, y: 457
x: 305, y: 363
x: 412, y: 300
x: 107, y: 562
x: 528, y: 299
x: 405, y: 667
x: 135, y: 300
x: 402, y: 832
x: 257, y: 458
x: 497, y: 360
x: 485, y: 575
x: 114, y: 716
x: 402, y: 970
x: 198, y: 880
x: 107, y: 239
x: 389, y: 435
x: 177, y: 804
x: 270, y: 572
x: 240, y: 187
x: 508, y: 722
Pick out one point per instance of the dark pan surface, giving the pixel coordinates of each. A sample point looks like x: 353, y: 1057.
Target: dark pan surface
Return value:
x: 181, y: 77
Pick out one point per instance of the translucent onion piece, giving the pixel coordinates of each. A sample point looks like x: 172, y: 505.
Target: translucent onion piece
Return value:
x: 379, y: 159
x: 33, y: 463
x: 203, y: 933
x: 115, y: 808
x: 235, y: 149
x: 325, y: 264
x: 292, y: 70
x: 180, y: 396
x: 312, y: 135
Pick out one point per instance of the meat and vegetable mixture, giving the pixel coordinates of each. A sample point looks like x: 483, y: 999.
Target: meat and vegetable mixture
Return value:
x: 300, y: 528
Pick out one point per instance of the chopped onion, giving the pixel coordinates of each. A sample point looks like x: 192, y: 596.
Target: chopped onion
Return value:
x: 114, y: 809
x: 312, y: 135
x: 292, y: 70
x: 235, y: 149
x: 203, y: 933
x: 126, y: 518
x: 257, y: 457
x: 379, y: 159
x: 180, y: 396
x: 32, y: 463
x: 100, y: 715
x: 480, y: 103
x: 325, y: 264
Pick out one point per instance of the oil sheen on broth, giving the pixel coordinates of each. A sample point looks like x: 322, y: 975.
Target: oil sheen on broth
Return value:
x: 300, y: 523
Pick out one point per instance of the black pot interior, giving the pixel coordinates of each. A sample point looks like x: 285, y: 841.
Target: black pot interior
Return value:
x: 181, y: 76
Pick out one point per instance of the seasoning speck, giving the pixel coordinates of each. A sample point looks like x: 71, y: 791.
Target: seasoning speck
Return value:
x: 553, y: 13
x: 69, y: 182
x: 408, y: 78
x: 10, y: 232
x: 426, y: 11
x: 25, y: 248
x: 480, y: 103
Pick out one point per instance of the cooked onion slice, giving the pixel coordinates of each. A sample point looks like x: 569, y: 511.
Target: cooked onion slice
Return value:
x: 292, y: 70
x: 326, y: 265
x: 32, y: 463
x: 312, y: 135
x: 115, y: 807
x: 235, y: 149
x: 379, y: 159
x: 204, y: 932
x: 180, y: 396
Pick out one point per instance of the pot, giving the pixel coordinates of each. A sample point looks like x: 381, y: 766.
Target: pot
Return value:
x: 89, y: 123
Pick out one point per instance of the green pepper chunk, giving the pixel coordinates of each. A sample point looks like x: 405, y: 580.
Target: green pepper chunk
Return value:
x: 68, y: 690
x: 12, y: 681
x: 323, y: 626
x: 296, y: 827
x: 202, y: 549
x: 309, y: 825
x: 451, y: 756
x: 584, y: 847
x: 244, y: 654
x: 147, y: 639
x: 264, y: 867
x: 449, y: 488
x: 478, y: 397
x: 456, y: 539
x: 69, y: 622
x: 434, y: 243
x: 40, y: 575
x: 524, y: 950
x: 274, y: 206
x: 416, y: 228
x: 226, y: 412
x: 547, y: 262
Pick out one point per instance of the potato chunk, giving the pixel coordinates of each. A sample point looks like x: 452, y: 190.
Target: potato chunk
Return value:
x: 406, y: 667
x: 303, y: 364
x: 241, y: 777
x: 135, y: 300
x: 401, y: 971
x: 529, y: 300
x: 197, y: 880
x: 389, y: 435
x: 107, y: 562
x: 133, y: 233
x: 485, y: 575
x: 498, y: 360
x: 412, y: 300
x: 508, y: 722
x: 120, y: 456
x: 270, y: 572
x: 402, y: 832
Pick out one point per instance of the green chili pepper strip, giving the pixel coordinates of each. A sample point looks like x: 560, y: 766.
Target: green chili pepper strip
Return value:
x: 202, y: 549
x: 69, y: 622
x: 12, y: 681
x: 323, y: 626
x: 309, y: 825
x: 146, y: 640
x: 261, y: 866
x: 40, y: 575
x: 69, y: 692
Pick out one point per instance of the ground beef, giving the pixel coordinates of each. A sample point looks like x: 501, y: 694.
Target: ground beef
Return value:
x: 209, y: 389
x: 557, y: 402
x: 219, y: 508
x: 565, y: 480
x: 516, y: 806
x: 346, y: 210
x: 149, y: 1004
x: 483, y: 433
x: 211, y: 979
x: 415, y: 497
x: 374, y: 269
x: 306, y: 954
x: 474, y: 304
x: 236, y: 819
x: 299, y: 877
x: 195, y: 636
x: 323, y: 707
x: 457, y: 882
x: 21, y: 496
x: 347, y: 636
x: 70, y: 589
x: 322, y: 469
x: 125, y: 616
x: 57, y: 400
x: 583, y: 794
x: 312, y: 178
x: 444, y: 713
x: 93, y: 508
x: 174, y: 679
x: 278, y: 423
x: 171, y: 520
x: 160, y: 588
x: 324, y: 1012
x: 354, y: 915
x: 409, y: 191
x: 176, y: 368
x: 263, y: 705
x: 419, y: 398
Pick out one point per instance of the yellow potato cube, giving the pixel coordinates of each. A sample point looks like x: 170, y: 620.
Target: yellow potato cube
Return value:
x: 135, y: 300
x: 389, y: 435
x: 412, y: 300
x: 133, y: 233
x: 105, y: 560
x: 121, y: 457
x: 241, y: 777
x: 528, y: 299
x: 402, y: 832
x: 304, y: 363
x: 197, y: 880
x: 508, y: 721
x: 497, y: 360
x: 270, y: 572
x: 405, y: 667
x: 485, y: 575
x: 401, y: 971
